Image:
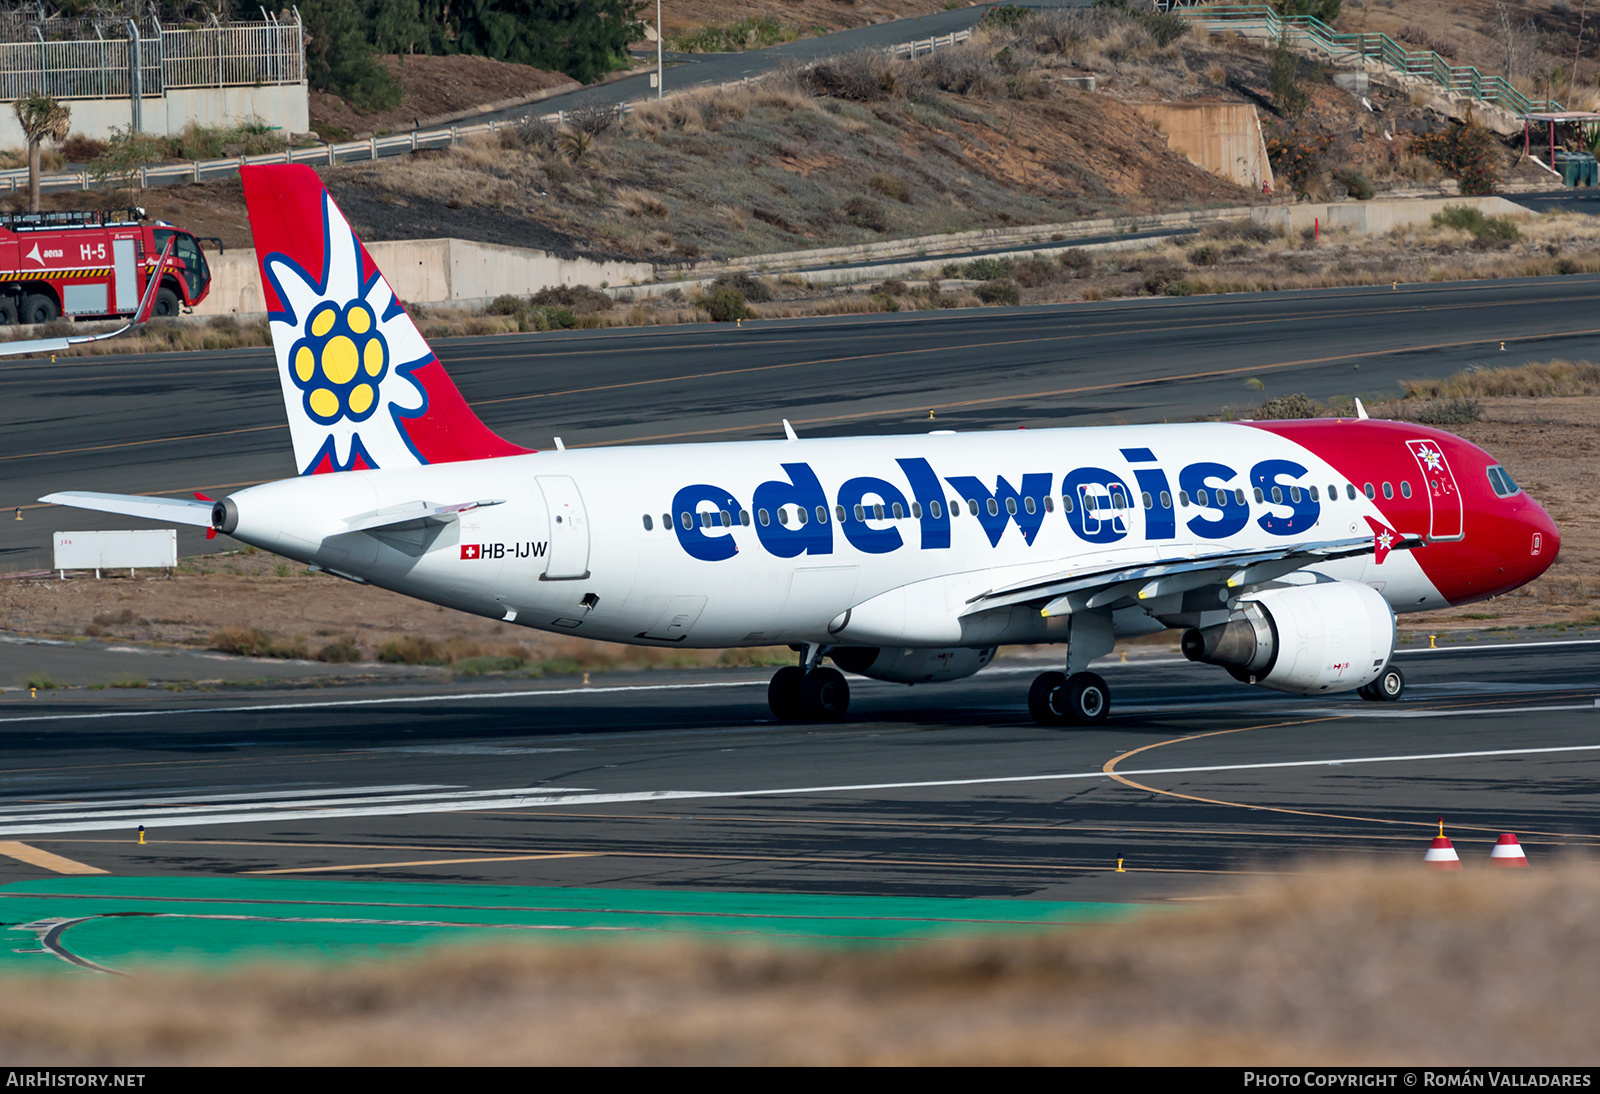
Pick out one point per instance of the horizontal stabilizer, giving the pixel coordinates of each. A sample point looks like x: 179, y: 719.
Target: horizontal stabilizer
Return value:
x: 61, y: 345
x: 416, y: 513
x: 175, y: 510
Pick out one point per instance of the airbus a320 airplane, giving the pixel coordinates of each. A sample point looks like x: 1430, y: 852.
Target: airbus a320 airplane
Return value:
x: 1284, y: 549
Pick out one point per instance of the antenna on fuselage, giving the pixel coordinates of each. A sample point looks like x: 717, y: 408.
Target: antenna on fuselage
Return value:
x: 1361, y: 412
x: 562, y: 448
x: 788, y: 431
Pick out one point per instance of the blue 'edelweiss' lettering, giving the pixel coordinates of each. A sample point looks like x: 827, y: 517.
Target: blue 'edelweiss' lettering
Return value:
x: 799, y: 520
x: 1006, y: 504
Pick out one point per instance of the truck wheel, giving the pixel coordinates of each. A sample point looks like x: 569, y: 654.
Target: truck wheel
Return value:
x: 166, y: 303
x: 38, y: 308
x: 8, y: 311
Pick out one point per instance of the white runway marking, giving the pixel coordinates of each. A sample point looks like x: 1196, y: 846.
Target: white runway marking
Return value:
x: 127, y: 814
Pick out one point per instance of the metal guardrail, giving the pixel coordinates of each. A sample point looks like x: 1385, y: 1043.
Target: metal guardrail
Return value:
x: 401, y: 144
x: 238, y: 55
x: 1421, y: 64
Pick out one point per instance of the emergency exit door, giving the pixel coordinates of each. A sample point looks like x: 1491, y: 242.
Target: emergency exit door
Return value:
x: 568, y: 556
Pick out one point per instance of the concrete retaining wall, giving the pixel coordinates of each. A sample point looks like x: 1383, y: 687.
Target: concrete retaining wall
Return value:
x: 1223, y: 138
x: 435, y: 272
x: 282, y: 106
x: 1378, y: 217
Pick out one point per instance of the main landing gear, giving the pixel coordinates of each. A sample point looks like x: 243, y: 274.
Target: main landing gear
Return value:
x: 1076, y: 697
x: 1056, y: 699
x: 810, y: 691
x: 1387, y: 688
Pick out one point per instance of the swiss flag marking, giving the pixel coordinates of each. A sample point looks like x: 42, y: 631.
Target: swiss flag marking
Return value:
x: 471, y: 550
x: 1383, y: 538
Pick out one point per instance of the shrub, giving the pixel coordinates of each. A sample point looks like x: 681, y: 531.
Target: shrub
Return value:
x: 580, y: 298
x: 863, y: 77
x: 985, y: 269
x: 751, y: 288
x: 1283, y: 76
x: 1245, y: 230
x: 42, y: 681
x: 1355, y: 183
x: 254, y: 642
x: 593, y: 118
x: 532, y: 132
x: 1004, y: 16
x: 999, y: 292
x: 1464, y: 152
x: 1451, y: 412
x: 412, y: 651
x: 1484, y: 229
x: 866, y: 214
x: 1297, y: 157
x: 1287, y: 406
x: 891, y: 186
x: 1204, y: 255
x: 727, y: 306
x: 1078, y: 263
x: 341, y: 652
x: 80, y: 149
x: 1031, y: 273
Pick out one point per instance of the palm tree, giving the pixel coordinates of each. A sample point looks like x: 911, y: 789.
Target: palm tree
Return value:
x: 42, y: 119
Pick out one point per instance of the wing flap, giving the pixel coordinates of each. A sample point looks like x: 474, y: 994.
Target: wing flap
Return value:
x: 1100, y: 587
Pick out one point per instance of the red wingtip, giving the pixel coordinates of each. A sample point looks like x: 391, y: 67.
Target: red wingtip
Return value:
x: 202, y: 497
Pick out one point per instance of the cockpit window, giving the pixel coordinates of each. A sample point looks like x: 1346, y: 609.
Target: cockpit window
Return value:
x: 1504, y: 485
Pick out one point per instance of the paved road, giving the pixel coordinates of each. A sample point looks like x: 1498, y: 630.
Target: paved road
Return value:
x: 947, y: 791
x: 172, y: 423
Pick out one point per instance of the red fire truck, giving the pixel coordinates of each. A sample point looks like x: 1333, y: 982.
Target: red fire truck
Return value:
x: 93, y: 265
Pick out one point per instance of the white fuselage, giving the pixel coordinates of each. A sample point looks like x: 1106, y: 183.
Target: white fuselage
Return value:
x: 593, y: 542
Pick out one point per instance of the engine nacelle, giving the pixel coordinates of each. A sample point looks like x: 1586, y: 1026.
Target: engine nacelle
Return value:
x: 1304, y: 639
x: 910, y: 666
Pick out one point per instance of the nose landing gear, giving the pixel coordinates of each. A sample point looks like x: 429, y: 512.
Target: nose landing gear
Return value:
x: 808, y: 692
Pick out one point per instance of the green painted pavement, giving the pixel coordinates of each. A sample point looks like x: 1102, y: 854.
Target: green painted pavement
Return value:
x: 133, y: 921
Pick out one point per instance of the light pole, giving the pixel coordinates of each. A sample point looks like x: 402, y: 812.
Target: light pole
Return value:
x: 660, y: 72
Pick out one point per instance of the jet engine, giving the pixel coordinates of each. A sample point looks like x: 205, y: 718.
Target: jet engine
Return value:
x: 910, y: 666
x: 1304, y: 639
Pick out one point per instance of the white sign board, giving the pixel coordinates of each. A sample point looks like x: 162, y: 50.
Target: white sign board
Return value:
x: 152, y: 549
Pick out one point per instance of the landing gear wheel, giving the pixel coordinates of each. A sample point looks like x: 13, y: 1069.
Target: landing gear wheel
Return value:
x: 1387, y: 688
x: 166, y: 304
x: 824, y: 695
x: 783, y: 694
x: 8, y: 311
x: 1045, y: 696
x: 38, y: 308
x: 1086, y: 699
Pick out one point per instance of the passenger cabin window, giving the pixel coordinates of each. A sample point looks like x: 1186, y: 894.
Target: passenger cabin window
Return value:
x: 666, y: 520
x: 1388, y: 490
x: 648, y: 523
x: 1149, y: 502
x: 764, y: 517
x: 1260, y: 497
x: 898, y: 511
x: 1030, y: 505
x: 1350, y: 491
x: 1183, y: 499
x: 1370, y: 492
x: 936, y: 509
x: 1405, y: 489
x: 1066, y: 503
x: 688, y: 521
x: 822, y: 514
x: 839, y: 511
x: 783, y: 515
x: 972, y: 505
x: 916, y: 509
x: 1277, y: 496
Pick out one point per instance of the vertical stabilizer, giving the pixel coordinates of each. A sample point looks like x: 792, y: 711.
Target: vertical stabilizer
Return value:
x: 361, y: 386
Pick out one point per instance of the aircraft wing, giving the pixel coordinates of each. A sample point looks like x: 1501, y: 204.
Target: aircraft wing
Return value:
x: 415, y: 514
x: 140, y: 318
x: 1104, y: 587
x: 176, y: 510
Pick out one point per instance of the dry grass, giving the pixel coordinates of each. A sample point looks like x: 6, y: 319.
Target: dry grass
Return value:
x: 1349, y: 966
x: 1534, y: 380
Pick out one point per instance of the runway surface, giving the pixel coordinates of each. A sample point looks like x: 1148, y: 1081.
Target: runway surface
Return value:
x: 172, y: 423
x: 682, y: 781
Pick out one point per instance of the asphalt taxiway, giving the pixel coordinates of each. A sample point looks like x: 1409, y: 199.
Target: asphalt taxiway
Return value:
x: 683, y: 781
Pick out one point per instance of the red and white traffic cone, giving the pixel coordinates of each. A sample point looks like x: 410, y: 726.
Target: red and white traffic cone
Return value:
x: 1507, y: 851
x: 1441, y: 853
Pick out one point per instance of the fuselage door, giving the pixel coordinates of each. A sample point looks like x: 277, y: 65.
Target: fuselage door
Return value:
x: 1443, y: 496
x: 568, y: 557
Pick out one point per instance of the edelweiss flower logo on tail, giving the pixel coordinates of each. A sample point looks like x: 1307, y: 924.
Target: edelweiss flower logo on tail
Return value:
x: 346, y: 351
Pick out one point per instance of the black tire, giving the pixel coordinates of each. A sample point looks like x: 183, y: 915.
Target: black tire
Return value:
x: 1086, y: 699
x: 1387, y: 688
x: 1044, y: 698
x: 38, y: 308
x: 8, y: 311
x: 167, y: 304
x: 824, y: 695
x: 1390, y: 685
x: 783, y: 694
